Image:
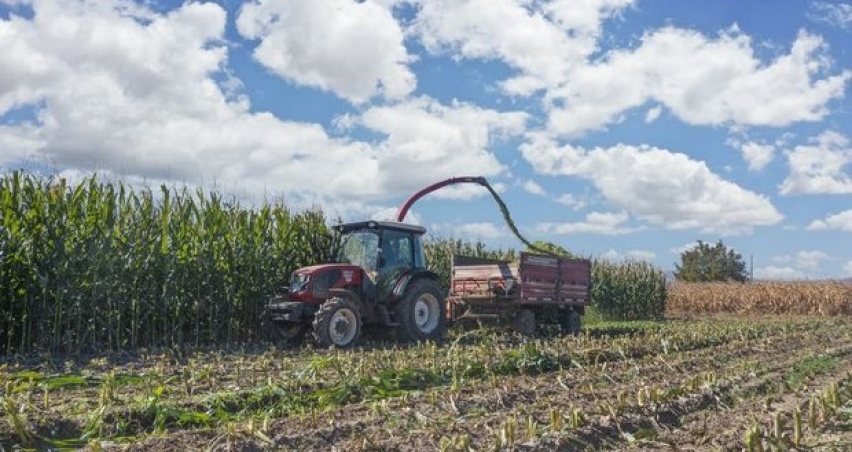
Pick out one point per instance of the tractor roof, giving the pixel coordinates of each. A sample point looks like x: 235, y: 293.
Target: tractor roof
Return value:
x: 347, y: 227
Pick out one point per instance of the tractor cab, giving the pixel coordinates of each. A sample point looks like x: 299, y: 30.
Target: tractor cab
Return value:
x: 381, y: 249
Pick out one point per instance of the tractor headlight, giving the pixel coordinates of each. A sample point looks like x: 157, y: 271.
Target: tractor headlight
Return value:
x: 300, y: 282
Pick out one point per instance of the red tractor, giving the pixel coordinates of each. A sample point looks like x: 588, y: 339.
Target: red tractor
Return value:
x: 379, y: 277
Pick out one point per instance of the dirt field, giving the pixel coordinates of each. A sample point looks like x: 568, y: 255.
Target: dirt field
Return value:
x: 717, y: 383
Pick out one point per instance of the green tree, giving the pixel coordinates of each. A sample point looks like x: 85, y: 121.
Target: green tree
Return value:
x: 705, y: 262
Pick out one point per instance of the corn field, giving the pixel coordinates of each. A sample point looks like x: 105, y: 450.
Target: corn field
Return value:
x: 105, y: 266
x: 630, y: 290
x: 102, y: 266
x: 829, y: 298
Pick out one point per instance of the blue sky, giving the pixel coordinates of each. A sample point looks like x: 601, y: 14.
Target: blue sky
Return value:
x: 614, y: 128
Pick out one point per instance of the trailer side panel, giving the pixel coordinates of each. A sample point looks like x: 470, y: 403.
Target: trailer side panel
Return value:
x: 552, y: 280
x: 493, y: 289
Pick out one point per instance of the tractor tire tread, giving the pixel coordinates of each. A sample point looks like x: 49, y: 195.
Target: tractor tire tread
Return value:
x: 324, y: 315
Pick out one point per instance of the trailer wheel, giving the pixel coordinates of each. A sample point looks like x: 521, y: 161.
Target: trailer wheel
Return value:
x: 571, y: 322
x: 421, y: 313
x: 525, y: 322
x: 289, y: 334
x: 337, y: 323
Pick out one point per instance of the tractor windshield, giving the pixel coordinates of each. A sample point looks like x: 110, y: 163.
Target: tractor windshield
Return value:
x: 361, y: 248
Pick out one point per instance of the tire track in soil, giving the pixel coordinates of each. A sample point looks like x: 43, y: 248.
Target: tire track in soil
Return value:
x: 592, y: 348
x: 725, y: 425
x: 515, y: 392
x: 604, y: 430
x: 718, y: 418
x: 419, y: 421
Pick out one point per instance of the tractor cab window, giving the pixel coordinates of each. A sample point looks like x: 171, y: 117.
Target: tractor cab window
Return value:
x: 419, y: 256
x: 360, y: 248
x: 397, y: 250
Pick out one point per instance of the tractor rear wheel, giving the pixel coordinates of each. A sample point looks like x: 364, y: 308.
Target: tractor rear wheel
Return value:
x: 421, y: 313
x: 337, y: 323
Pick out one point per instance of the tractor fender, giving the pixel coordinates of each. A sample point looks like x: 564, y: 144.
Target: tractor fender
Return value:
x: 405, y: 280
x: 346, y: 293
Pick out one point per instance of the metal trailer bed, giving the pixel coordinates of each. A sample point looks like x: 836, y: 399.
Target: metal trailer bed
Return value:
x: 539, y: 289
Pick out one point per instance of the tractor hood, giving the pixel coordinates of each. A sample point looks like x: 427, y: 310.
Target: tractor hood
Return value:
x: 312, y: 284
x: 320, y: 267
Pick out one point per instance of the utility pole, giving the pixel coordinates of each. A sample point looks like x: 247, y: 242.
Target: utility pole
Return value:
x: 751, y: 267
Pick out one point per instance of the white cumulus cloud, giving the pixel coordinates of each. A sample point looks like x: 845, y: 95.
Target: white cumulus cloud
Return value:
x: 757, y: 155
x: 555, y: 48
x: 837, y: 14
x: 806, y: 261
x: 658, y: 186
x: 534, y: 188
x: 427, y: 141
x: 841, y: 221
x: 479, y: 231
x: 543, y: 41
x: 134, y: 92
x: 571, y: 200
x: 635, y: 255
x: 820, y: 167
x: 653, y: 114
x: 354, y: 49
x: 772, y: 272
x: 701, y: 80
x: 799, y: 265
x: 606, y: 223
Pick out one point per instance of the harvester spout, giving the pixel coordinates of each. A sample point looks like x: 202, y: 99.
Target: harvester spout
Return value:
x: 403, y: 210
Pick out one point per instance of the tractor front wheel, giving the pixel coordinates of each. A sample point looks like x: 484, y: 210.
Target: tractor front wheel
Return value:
x: 422, y: 312
x: 337, y: 323
x: 284, y: 333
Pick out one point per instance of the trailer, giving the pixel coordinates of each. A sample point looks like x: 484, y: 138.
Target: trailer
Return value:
x: 538, y: 290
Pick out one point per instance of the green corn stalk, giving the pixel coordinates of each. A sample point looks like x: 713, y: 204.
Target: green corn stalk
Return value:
x: 578, y: 419
x: 507, y: 433
x: 753, y: 439
x: 797, y: 427
x: 629, y: 290
x: 812, y: 413
x: 17, y: 419
x: 532, y: 427
x: 555, y: 420
x: 777, y: 426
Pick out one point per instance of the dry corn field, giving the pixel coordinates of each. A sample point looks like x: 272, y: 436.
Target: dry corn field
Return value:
x: 824, y: 298
x: 689, y: 384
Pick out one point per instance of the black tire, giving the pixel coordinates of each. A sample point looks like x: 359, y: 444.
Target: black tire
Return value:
x: 571, y: 322
x: 467, y: 325
x: 422, y: 312
x: 337, y: 323
x: 525, y: 322
x: 281, y: 333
